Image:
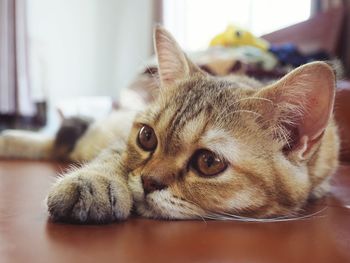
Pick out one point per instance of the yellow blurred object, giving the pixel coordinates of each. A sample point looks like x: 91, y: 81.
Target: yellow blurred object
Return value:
x: 235, y: 36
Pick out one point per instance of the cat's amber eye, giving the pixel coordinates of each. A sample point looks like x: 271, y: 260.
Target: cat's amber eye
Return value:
x: 147, y: 139
x: 208, y: 163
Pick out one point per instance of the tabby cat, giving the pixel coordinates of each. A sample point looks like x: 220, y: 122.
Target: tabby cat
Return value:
x: 211, y: 147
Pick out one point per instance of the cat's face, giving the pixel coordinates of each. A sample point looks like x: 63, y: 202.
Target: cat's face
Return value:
x: 211, y: 147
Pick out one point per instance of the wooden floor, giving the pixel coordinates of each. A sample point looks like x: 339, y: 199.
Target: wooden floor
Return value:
x: 26, y: 234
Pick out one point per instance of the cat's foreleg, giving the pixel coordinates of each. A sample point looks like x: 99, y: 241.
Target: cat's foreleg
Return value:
x: 97, y: 192
x: 25, y: 145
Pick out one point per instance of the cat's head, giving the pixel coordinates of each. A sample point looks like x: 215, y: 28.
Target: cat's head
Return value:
x: 210, y: 146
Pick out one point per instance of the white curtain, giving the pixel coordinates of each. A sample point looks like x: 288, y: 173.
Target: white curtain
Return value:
x: 14, y: 84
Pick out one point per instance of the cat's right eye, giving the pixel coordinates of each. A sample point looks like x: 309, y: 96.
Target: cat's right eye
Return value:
x: 147, y: 139
x: 208, y: 163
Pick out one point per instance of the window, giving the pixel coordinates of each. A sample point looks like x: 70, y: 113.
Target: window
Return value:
x: 195, y: 22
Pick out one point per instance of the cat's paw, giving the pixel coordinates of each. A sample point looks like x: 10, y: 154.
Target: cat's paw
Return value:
x: 89, y: 198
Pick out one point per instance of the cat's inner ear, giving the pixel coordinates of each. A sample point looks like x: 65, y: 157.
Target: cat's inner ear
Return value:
x: 302, y: 104
x: 173, y: 64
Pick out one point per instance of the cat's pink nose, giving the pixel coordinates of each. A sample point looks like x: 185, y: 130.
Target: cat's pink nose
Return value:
x: 151, y: 184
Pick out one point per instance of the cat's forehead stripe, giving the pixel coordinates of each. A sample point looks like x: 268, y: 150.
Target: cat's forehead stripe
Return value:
x: 160, y: 112
x: 190, y: 108
x: 194, y: 129
x: 222, y: 143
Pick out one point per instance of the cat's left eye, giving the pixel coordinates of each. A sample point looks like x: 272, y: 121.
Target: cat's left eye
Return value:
x: 147, y: 139
x: 208, y: 163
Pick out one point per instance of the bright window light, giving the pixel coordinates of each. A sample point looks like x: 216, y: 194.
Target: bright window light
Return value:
x: 195, y: 22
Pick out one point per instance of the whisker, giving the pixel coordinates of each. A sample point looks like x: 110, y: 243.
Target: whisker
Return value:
x: 193, y: 204
x: 145, y: 64
x: 232, y: 217
x: 241, y: 111
x: 247, y: 111
x: 251, y: 98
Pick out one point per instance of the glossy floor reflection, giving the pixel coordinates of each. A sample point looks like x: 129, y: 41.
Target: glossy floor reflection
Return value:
x: 26, y: 234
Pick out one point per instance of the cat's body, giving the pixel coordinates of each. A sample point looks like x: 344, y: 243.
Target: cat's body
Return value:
x: 207, y: 147
x: 77, y: 139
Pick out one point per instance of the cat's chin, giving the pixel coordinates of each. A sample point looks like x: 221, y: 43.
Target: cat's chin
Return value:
x: 159, y: 205
x: 158, y: 208
x: 146, y: 210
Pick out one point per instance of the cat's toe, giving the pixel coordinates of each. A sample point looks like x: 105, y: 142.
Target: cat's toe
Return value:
x: 67, y: 201
x: 83, y: 199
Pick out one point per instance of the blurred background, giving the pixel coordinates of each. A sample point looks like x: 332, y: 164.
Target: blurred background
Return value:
x: 86, y: 52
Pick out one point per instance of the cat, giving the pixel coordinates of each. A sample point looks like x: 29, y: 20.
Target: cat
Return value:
x: 78, y: 139
x: 211, y: 148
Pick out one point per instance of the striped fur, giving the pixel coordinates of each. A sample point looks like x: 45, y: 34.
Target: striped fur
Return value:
x: 276, y: 159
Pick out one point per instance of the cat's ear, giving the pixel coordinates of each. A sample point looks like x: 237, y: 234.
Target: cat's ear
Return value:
x: 173, y: 64
x: 302, y: 104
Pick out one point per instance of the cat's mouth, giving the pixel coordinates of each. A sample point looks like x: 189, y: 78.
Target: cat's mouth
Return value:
x: 160, y: 203
x: 146, y: 207
x: 142, y: 203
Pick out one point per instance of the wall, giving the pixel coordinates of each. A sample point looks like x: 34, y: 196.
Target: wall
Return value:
x: 86, y: 47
